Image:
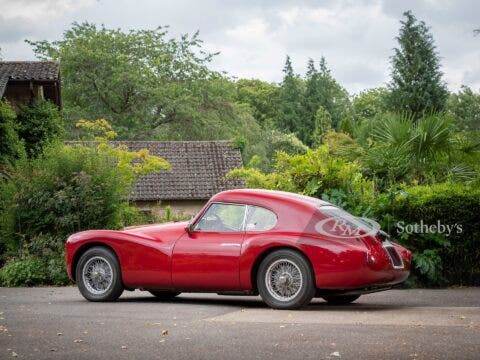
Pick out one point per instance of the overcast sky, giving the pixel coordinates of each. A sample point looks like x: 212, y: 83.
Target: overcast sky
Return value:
x: 253, y: 37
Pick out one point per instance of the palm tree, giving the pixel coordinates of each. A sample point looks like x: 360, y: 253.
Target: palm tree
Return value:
x: 418, y: 143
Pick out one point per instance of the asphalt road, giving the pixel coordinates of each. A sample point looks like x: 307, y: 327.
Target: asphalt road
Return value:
x: 57, y: 323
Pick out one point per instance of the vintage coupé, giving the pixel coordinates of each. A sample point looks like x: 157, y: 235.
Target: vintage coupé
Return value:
x: 286, y: 247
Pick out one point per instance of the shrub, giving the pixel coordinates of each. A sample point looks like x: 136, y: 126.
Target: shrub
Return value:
x: 315, y: 173
x: 40, y: 123
x: 56, y: 271
x: 67, y: 189
x: 8, y: 243
x: 23, y: 272
x: 47, y: 266
x: 11, y: 147
x: 438, y: 259
x: 72, y: 188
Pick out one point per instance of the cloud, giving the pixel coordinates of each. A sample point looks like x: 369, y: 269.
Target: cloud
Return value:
x: 14, y: 29
x: 253, y: 37
x: 38, y: 11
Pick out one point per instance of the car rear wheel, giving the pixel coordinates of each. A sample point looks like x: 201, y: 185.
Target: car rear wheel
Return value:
x: 98, y: 275
x: 340, y: 299
x: 163, y: 295
x: 285, y: 281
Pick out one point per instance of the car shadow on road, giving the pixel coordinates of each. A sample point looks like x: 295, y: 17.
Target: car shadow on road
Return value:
x: 363, y: 307
x: 256, y: 302
x: 251, y: 302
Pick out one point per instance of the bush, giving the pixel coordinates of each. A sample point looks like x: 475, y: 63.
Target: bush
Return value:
x: 56, y: 271
x: 11, y: 147
x: 8, y: 244
x: 69, y: 189
x: 438, y: 259
x: 23, y: 272
x: 40, y: 123
x: 47, y: 266
x: 315, y: 173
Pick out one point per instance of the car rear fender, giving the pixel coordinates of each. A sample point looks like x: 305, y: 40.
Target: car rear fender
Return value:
x: 256, y: 247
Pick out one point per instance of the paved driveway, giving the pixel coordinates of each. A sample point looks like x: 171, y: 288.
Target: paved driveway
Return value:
x: 57, y: 323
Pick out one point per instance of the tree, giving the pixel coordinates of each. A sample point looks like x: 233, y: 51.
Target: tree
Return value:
x: 323, y: 124
x: 139, y: 80
x: 369, y: 103
x: 261, y: 96
x: 290, y: 100
x: 346, y: 125
x: 311, y: 102
x: 321, y: 89
x: 416, y: 86
x: 465, y: 107
x: 148, y: 86
x: 409, y: 147
x: 330, y: 94
x: 39, y: 124
x: 11, y: 147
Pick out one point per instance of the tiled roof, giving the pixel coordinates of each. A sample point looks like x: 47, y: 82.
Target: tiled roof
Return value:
x: 198, y: 169
x: 27, y: 70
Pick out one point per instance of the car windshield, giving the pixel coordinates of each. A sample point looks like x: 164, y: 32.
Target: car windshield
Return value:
x: 348, y: 219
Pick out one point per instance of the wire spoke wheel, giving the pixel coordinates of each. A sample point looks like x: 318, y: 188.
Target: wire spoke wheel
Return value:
x: 283, y: 279
x: 97, y: 275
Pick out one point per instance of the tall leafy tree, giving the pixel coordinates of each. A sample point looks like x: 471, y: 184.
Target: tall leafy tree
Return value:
x: 145, y: 83
x: 311, y: 103
x: 369, y: 103
x: 261, y: 96
x: 323, y: 124
x: 416, y: 86
x: 322, y: 90
x: 465, y: 107
x: 290, y: 100
x: 333, y: 97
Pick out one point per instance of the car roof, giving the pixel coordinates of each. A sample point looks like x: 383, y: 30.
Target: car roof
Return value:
x: 267, y: 196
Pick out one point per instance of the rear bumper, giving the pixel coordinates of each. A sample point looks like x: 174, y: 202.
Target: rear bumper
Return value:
x: 365, y: 270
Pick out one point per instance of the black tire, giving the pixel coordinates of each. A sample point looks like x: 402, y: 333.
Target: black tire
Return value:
x: 164, y: 295
x: 340, y: 299
x: 306, y: 290
x: 103, y: 256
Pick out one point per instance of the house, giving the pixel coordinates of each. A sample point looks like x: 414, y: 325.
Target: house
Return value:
x: 198, y: 172
x: 23, y: 81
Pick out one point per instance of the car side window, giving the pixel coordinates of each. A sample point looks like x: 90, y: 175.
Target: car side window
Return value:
x: 260, y: 219
x: 222, y: 218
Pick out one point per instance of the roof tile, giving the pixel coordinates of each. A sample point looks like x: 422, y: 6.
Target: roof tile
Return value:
x: 27, y: 70
x: 198, y: 169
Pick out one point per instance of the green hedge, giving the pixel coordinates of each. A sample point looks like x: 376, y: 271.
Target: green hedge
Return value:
x: 439, y: 258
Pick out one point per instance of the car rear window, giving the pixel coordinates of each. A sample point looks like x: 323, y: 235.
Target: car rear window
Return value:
x: 260, y: 219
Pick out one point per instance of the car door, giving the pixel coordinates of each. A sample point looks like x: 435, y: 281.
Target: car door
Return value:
x: 207, y: 257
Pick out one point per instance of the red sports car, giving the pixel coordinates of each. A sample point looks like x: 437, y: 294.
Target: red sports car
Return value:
x: 286, y: 247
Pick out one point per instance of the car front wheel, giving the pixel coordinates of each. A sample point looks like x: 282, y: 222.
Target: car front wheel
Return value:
x: 98, y: 275
x: 285, y: 280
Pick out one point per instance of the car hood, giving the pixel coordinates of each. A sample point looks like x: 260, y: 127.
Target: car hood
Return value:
x: 165, y: 232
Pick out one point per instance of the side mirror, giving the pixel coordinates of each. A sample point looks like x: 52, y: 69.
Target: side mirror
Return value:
x: 189, y: 228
